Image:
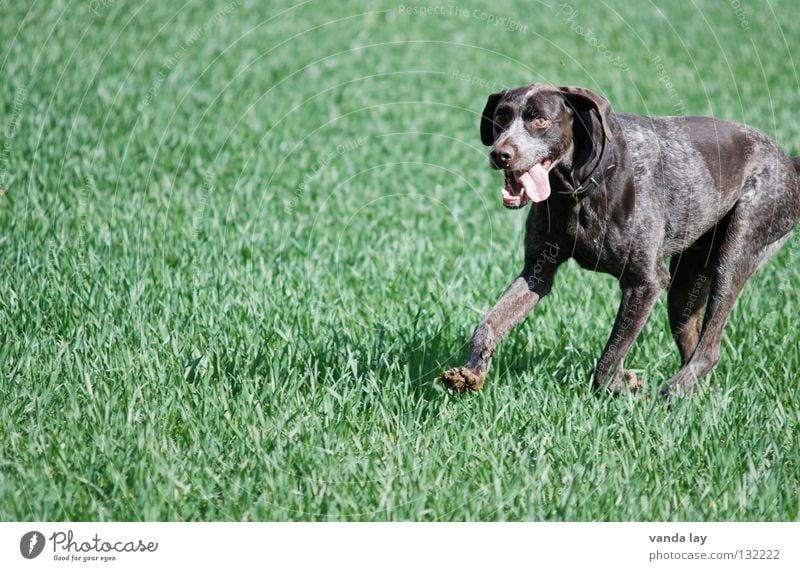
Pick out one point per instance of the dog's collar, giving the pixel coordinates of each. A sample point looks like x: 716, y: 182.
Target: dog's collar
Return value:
x: 592, y: 179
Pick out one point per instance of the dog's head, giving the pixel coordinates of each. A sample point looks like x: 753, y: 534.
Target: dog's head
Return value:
x: 532, y: 129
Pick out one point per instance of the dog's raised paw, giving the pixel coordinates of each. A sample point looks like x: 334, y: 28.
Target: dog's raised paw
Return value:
x: 461, y: 379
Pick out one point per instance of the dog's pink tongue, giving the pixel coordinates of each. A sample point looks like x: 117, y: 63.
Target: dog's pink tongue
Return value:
x: 536, y: 183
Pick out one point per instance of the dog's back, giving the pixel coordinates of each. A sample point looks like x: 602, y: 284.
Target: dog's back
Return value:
x: 695, y: 169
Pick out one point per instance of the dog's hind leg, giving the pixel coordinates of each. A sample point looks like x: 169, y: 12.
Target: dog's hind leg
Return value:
x: 757, y: 226
x: 691, y: 273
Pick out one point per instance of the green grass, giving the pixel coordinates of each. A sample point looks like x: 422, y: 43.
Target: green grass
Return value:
x: 187, y: 334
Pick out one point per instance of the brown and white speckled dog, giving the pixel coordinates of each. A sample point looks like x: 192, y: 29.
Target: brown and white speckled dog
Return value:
x: 620, y: 194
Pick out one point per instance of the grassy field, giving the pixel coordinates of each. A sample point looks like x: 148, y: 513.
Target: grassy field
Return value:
x: 240, y: 241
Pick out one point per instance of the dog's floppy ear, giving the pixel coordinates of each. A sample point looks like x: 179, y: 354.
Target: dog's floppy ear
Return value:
x: 581, y: 99
x: 487, y: 118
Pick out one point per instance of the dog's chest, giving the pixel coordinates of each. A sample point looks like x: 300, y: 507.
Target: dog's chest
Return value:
x: 595, y: 239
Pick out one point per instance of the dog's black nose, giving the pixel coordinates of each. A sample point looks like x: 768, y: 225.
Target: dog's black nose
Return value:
x: 502, y: 156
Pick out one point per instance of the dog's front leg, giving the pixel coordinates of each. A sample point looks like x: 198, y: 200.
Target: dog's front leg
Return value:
x: 516, y: 302
x: 637, y: 302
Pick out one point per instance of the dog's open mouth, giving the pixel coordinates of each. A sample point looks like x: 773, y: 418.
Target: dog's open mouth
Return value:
x: 523, y: 186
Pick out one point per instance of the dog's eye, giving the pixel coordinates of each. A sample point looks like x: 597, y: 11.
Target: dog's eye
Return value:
x: 540, y: 122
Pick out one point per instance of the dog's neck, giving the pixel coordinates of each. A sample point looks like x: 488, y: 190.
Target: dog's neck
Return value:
x: 585, y: 161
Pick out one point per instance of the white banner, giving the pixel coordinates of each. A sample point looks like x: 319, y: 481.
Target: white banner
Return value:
x: 402, y: 546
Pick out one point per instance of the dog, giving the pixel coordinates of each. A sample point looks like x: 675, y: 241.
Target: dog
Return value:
x: 620, y: 193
